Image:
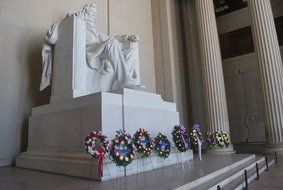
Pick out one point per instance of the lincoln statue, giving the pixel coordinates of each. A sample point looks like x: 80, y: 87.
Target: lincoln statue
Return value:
x: 103, y: 53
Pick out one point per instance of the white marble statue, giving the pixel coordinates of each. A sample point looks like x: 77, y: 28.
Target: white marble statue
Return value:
x: 103, y: 53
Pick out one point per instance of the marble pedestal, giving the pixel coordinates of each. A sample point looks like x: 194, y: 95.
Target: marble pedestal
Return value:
x: 57, y: 131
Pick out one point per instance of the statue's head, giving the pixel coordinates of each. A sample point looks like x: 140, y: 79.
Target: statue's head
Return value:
x: 89, y: 11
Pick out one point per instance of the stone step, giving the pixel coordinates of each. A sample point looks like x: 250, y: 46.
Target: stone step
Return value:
x: 240, y: 183
x: 203, y: 180
x: 140, y: 93
x: 234, y: 177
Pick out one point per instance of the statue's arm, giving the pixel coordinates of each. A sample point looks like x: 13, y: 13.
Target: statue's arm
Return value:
x: 51, y: 38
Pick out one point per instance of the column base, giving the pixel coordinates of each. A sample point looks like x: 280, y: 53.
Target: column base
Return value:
x: 272, y: 148
x: 228, y: 150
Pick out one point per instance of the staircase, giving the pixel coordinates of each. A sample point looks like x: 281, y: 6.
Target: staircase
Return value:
x: 234, y: 178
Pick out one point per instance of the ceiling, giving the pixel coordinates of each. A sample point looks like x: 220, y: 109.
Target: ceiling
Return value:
x: 223, y: 7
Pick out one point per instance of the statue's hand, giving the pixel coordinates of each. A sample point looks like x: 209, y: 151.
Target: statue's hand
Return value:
x: 121, y: 38
x: 77, y: 14
x: 80, y: 15
x: 134, y: 38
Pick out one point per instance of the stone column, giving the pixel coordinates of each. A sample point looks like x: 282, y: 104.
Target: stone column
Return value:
x: 214, y: 88
x: 270, y: 71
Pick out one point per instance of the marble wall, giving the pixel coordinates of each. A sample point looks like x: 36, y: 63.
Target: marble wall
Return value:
x: 241, y: 81
x: 134, y: 17
x: 244, y: 98
x: 23, y: 26
x: 170, y: 56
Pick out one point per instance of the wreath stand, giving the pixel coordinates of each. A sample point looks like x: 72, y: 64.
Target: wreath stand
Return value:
x: 181, y: 161
x: 188, y: 158
x: 161, y: 162
x: 143, y: 162
x: 121, y: 173
x: 104, y: 175
x: 108, y: 172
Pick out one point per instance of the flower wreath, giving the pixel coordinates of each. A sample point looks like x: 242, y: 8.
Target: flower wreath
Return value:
x: 210, y: 139
x: 181, y: 138
x: 122, y: 149
x: 143, y: 143
x: 196, y: 134
x: 226, y: 139
x: 97, y: 152
x: 222, y: 139
x: 162, y: 146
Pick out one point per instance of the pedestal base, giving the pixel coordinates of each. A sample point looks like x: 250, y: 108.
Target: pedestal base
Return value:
x: 272, y: 148
x: 228, y: 150
x: 81, y: 165
x: 57, y: 131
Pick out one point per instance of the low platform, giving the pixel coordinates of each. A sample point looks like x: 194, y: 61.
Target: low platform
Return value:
x: 213, y: 168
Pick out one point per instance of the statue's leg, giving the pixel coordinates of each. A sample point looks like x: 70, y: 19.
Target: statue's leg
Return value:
x: 131, y: 59
x: 114, y: 54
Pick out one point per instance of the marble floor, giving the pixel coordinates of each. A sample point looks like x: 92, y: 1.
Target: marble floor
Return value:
x: 12, y: 178
x: 272, y: 179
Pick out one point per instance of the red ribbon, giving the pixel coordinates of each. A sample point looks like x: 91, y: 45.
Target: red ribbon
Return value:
x: 100, y: 167
x: 101, y: 153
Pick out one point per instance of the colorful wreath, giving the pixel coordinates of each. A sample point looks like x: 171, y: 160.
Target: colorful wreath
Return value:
x: 92, y: 149
x: 210, y: 139
x: 225, y: 139
x: 219, y: 140
x: 122, y: 149
x: 97, y: 145
x: 196, y: 134
x: 181, y: 138
x: 143, y: 143
x: 162, y: 146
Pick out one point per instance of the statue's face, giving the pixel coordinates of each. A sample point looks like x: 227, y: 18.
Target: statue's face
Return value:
x: 90, y: 11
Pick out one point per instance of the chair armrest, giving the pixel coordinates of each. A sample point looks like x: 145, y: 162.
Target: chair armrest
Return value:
x: 127, y: 38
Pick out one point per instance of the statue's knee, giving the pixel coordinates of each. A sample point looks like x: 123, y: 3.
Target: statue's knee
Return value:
x: 115, y: 43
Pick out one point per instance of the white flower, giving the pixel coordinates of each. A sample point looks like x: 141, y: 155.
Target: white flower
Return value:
x: 132, y: 156
x: 126, y: 158
x: 121, y: 157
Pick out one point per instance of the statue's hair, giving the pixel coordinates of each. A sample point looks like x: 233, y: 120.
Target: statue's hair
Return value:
x: 89, y: 6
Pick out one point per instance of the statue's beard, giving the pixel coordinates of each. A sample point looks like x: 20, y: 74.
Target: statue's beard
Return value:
x: 90, y: 19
